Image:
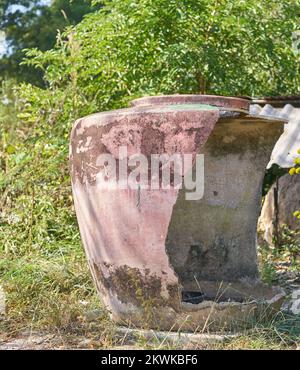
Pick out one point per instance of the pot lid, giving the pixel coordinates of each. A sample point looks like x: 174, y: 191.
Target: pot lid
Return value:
x: 223, y: 102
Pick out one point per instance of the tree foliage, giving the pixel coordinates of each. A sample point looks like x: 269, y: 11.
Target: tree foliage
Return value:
x: 34, y: 24
x: 134, y: 47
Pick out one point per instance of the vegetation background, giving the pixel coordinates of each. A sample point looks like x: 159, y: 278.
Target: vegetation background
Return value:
x: 64, y: 59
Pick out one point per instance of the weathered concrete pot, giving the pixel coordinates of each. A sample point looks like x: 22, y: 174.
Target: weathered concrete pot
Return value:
x: 159, y: 260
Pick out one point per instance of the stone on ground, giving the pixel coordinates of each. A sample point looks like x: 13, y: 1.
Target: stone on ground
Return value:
x: 288, y: 202
x: 2, y: 301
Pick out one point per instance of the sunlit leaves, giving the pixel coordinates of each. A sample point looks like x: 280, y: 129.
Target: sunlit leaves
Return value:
x: 141, y: 47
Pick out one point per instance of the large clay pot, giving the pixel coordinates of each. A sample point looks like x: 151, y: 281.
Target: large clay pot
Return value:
x: 159, y: 260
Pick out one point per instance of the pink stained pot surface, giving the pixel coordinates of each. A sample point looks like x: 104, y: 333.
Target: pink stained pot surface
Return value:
x: 125, y: 242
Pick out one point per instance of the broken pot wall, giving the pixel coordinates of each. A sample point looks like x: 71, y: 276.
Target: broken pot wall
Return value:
x: 214, y: 239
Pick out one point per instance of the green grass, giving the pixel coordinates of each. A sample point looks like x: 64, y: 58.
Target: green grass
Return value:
x: 42, y: 264
x: 51, y: 291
